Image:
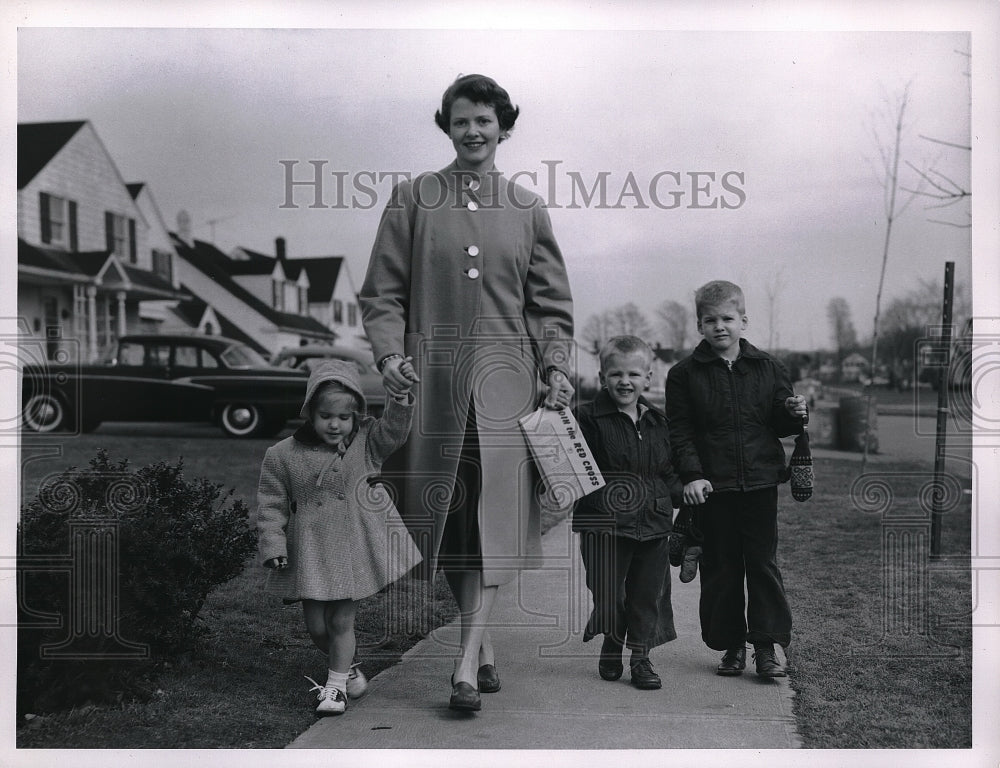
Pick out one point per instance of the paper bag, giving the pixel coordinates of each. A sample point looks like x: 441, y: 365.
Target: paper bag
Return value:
x: 562, y: 456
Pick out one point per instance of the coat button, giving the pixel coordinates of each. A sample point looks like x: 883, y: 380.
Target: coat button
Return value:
x: 340, y: 496
x: 473, y: 273
x: 473, y: 250
x: 472, y: 184
x: 472, y: 205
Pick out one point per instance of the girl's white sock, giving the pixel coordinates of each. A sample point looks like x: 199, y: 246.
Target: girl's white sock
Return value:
x: 336, y: 680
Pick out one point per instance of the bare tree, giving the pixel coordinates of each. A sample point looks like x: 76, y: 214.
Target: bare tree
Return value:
x: 844, y: 335
x: 941, y: 186
x: 888, y: 172
x: 772, y: 289
x: 623, y: 320
x: 675, y: 322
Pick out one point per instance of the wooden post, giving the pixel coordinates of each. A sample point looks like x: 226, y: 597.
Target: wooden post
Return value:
x: 942, y: 410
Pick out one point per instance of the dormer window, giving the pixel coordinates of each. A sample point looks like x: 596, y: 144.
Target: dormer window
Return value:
x: 278, y: 295
x: 303, y: 300
x: 120, y: 236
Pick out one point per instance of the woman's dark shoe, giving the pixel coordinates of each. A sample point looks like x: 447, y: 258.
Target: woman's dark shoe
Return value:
x: 767, y: 662
x: 733, y: 662
x: 464, y: 697
x: 643, y: 676
x: 488, y: 679
x: 610, y: 666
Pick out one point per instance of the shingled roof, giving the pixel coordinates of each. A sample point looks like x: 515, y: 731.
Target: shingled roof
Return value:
x: 38, y: 143
x: 209, y: 260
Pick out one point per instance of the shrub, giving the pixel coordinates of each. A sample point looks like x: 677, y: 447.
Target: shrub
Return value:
x: 125, y: 561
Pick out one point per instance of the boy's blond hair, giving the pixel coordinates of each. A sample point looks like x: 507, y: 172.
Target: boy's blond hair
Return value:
x: 716, y: 293
x: 625, y: 345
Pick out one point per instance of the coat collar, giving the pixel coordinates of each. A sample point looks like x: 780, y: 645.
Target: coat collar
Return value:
x: 703, y: 352
x: 490, y: 184
x: 605, y: 406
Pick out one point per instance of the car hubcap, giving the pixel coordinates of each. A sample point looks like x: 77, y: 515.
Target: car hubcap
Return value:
x: 241, y: 417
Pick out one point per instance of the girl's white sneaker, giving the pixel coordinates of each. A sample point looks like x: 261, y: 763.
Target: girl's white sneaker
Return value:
x: 331, y: 700
x: 357, y: 683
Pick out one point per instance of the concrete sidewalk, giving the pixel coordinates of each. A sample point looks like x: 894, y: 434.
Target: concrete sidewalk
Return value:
x: 552, y: 696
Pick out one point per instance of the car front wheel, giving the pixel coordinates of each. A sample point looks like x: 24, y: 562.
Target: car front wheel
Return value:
x: 44, y: 413
x: 241, y: 420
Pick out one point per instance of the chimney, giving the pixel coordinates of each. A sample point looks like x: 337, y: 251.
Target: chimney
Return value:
x: 184, y: 226
x: 279, y: 248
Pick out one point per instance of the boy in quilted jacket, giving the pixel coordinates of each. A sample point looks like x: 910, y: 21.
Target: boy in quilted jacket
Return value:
x: 728, y: 404
x: 330, y: 538
x: 624, y: 526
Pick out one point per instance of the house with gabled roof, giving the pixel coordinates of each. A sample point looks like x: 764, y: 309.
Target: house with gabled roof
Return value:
x: 90, y: 247
x: 241, y: 306
x: 320, y: 286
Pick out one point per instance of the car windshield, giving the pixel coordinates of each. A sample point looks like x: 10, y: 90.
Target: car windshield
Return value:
x: 242, y: 356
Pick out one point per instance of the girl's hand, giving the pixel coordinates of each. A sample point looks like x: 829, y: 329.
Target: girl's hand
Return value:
x: 796, y: 406
x: 276, y: 563
x: 407, y: 370
x: 696, y: 492
x: 560, y: 391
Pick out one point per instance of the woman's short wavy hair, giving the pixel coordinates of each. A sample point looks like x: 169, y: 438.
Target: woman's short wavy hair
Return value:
x: 479, y: 89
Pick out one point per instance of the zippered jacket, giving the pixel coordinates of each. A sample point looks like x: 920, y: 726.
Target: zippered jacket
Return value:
x: 726, y: 421
x: 642, y: 487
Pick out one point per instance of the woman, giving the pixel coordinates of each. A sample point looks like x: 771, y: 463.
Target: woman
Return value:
x: 466, y: 278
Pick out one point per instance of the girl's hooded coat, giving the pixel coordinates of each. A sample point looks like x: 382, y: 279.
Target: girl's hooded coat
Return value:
x: 323, y: 509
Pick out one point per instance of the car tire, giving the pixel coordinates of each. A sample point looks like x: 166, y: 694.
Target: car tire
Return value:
x: 242, y: 420
x: 44, y: 413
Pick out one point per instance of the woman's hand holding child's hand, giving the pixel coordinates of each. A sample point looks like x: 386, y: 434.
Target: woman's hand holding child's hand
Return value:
x: 696, y: 492
x: 560, y: 393
x: 796, y: 406
x: 277, y: 563
x: 398, y: 375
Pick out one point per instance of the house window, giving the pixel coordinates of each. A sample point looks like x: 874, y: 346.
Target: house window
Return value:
x: 352, y: 315
x: 338, y: 311
x: 120, y: 236
x: 58, y: 220
x: 163, y: 265
x: 303, y: 301
x: 277, y: 296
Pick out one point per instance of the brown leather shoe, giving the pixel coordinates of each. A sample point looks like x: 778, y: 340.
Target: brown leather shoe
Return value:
x: 767, y: 662
x: 488, y: 679
x: 464, y: 697
x: 610, y: 666
x: 734, y: 661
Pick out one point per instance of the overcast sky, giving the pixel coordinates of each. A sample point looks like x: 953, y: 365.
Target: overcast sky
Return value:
x: 206, y: 115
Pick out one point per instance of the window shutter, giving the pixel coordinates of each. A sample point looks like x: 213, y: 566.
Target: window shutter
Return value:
x: 43, y: 208
x: 73, y: 245
x: 131, y: 241
x: 109, y: 231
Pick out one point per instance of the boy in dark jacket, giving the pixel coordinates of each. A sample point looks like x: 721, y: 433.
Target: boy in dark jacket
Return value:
x: 625, y: 525
x: 728, y: 404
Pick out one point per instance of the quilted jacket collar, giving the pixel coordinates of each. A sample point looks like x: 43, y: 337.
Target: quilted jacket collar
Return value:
x: 703, y: 352
x: 605, y: 406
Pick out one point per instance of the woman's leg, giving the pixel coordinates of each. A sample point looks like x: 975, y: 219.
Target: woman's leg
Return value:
x: 475, y: 604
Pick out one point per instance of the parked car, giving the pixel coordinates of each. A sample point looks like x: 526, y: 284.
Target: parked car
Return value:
x: 165, y: 378
x: 306, y: 356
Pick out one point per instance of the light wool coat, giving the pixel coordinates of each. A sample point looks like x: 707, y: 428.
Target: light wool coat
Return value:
x: 342, y: 535
x: 471, y: 284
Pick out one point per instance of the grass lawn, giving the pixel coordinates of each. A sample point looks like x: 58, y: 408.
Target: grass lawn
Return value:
x: 860, y: 680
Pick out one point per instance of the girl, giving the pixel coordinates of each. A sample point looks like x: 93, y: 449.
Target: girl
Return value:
x: 329, y: 536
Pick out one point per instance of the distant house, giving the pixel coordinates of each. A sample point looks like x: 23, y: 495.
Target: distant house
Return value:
x: 90, y: 247
x: 853, y: 367
x: 241, y: 305
x: 319, y: 286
